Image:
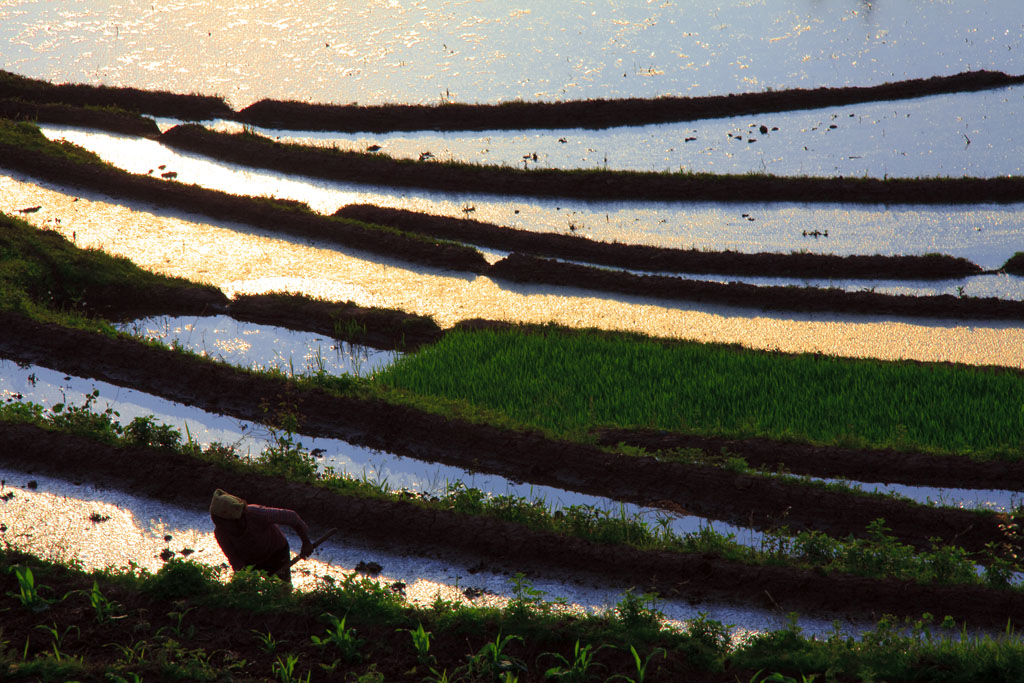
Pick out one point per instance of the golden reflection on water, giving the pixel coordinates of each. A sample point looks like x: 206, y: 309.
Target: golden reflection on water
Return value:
x: 106, y: 528
x: 240, y: 260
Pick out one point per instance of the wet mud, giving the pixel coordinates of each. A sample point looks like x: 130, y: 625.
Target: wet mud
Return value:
x: 522, y: 268
x: 596, y: 114
x: 593, y: 114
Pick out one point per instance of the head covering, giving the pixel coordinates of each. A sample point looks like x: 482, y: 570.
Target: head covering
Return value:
x: 225, y: 505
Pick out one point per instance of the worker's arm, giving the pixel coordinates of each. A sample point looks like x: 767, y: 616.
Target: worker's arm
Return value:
x: 281, y: 516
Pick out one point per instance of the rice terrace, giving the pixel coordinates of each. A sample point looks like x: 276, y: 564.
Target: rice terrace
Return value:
x: 563, y: 341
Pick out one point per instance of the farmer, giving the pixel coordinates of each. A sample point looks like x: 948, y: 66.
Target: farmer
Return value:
x: 250, y: 537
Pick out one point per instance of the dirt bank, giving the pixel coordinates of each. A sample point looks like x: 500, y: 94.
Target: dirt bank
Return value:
x: 750, y: 500
x: 512, y: 115
x: 642, y: 257
x: 260, y: 152
x: 153, y: 102
x: 184, y: 481
x: 113, y: 121
x: 530, y: 269
x: 598, y: 113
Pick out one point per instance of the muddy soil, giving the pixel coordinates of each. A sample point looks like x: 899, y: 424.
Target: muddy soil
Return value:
x: 508, y: 116
x: 147, y: 617
x: 153, y: 102
x: 760, y: 502
x: 884, y: 466
x: 524, y: 268
x: 185, y: 481
x: 643, y: 257
x: 86, y: 117
x: 331, y: 164
x: 598, y: 113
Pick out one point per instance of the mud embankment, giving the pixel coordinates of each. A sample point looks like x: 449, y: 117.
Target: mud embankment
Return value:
x: 152, y: 102
x: 86, y: 117
x: 642, y: 257
x: 598, y: 113
x: 592, y: 114
x: 331, y: 164
x: 883, y: 466
x: 525, y: 269
x: 751, y: 500
x: 401, y: 524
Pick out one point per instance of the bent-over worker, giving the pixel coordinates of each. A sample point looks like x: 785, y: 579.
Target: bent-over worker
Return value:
x: 249, y: 535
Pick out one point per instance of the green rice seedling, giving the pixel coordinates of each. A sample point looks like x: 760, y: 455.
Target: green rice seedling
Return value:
x: 284, y: 670
x: 266, y: 641
x: 623, y: 380
x: 28, y: 593
x: 579, y: 669
x: 492, y: 661
x: 58, y: 637
x: 133, y: 653
x: 342, y: 638
x: 177, y: 628
x: 421, y: 642
x: 640, y: 664
x: 105, y: 609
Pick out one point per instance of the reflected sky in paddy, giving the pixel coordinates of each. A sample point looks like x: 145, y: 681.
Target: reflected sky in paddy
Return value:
x: 375, y: 51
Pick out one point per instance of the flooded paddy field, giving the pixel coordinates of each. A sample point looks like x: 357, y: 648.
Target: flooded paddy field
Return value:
x: 239, y: 259
x: 450, y: 53
x: 984, y: 234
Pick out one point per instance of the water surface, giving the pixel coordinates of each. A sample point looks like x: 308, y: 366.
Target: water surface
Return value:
x: 376, y: 51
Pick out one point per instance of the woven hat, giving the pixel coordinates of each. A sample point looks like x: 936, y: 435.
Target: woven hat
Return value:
x: 225, y: 505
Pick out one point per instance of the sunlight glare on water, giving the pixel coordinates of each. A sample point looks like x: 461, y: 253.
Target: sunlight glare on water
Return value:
x: 375, y: 51
x: 229, y: 257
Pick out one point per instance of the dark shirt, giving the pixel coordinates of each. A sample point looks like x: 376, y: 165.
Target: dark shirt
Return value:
x: 261, y: 536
